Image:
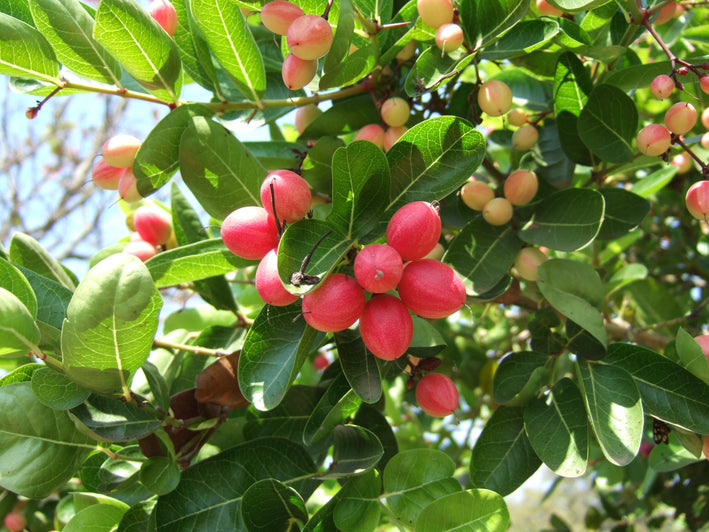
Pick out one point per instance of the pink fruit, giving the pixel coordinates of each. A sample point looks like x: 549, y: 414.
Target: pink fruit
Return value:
x: 705, y: 118
x: 334, y: 305
x: 309, y: 37
x: 320, y: 362
x: 435, y: 13
x: 498, y: 211
x: 106, y: 176
x: 386, y: 327
x: 545, y: 9
x: 521, y: 187
x: 378, y: 268
x: 392, y: 135
x: 437, y: 395
x: 305, y: 115
x: 654, y: 139
x: 666, y: 13
x: 705, y: 447
x: 646, y: 448
x: 431, y: 289
x: 703, y: 341
x: 528, y: 261
x: 476, y: 194
x: 517, y: 117
x: 697, y: 199
x: 495, y: 97
x: 373, y: 133
x: 278, y: 15
x: 268, y: 283
x: 153, y: 224
x: 297, y: 72
x: 683, y: 162
x: 15, y: 522
x: 704, y: 83
x: 165, y: 15
x: 128, y: 187
x: 449, y: 37
x: 292, y: 195
x: 395, y: 112
x: 680, y: 118
x: 141, y: 249
x: 120, y: 150
x: 704, y: 141
x: 525, y: 137
x: 662, y: 86
x: 414, y: 229
x: 249, y: 232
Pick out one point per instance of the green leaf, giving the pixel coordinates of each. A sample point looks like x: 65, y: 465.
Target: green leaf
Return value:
x: 624, y: 212
x: 345, y: 115
x: 97, y: 518
x: 483, y: 254
x: 271, y: 505
x: 141, y: 46
x: 337, y: 404
x: 432, y: 68
x: 668, y: 391
x: 111, y: 323
x: 653, y: 303
x: 231, y: 42
x: 112, y: 420
x: 17, y: 9
x: 576, y: 5
x: 13, y: 281
x: 356, y: 450
x: 140, y: 517
x: 484, y: 21
x: 21, y: 374
x: 193, y: 262
x: 69, y: 28
x: 157, y: 384
x: 433, y: 159
x: 637, y: 76
x: 691, y: 355
x: 614, y: 409
x: 653, y: 183
x: 26, y: 251
x: 528, y: 36
x: 471, y: 510
x: 360, y: 188
x: 415, y: 478
x: 373, y: 420
x: 514, y: 372
x: 359, y: 366
x: 670, y: 457
x: 357, y: 507
x: 219, y: 171
x: 608, y: 123
x: 56, y: 390
x: 352, y: 69
x: 19, y: 334
x: 342, y: 37
x: 58, y: 449
x: 277, y: 154
x: 160, y: 474
x: 193, y: 47
x: 274, y: 350
x: 572, y: 86
x: 566, y: 220
x: 210, y: 492
x: 317, y: 165
x: 25, y: 52
x: 503, y: 457
x: 557, y: 428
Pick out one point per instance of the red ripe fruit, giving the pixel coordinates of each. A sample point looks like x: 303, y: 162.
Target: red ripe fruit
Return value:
x: 386, y: 327
x: 653, y: 139
x: 378, y: 268
x: 320, y: 362
x: 431, y: 289
x: 414, y: 230
x: 373, y: 133
x: 279, y: 14
x: 662, y: 86
x: 680, y: 118
x: 704, y: 83
x: 15, y: 522
x: 153, y: 224
x: 437, y: 395
x: 128, y: 187
x: 292, y: 195
x: 697, y: 199
x: 268, y: 283
x: 249, y: 232
x: 309, y: 37
x: 106, y: 176
x: 165, y: 15
x: 141, y: 249
x: 334, y: 305
x: 297, y: 72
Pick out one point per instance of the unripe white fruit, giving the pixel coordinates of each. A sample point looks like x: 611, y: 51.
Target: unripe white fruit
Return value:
x: 395, y: 112
x: 119, y: 151
x: 527, y: 262
x: 498, y: 211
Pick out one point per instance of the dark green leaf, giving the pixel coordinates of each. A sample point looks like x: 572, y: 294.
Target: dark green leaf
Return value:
x: 528, y: 36
x: 345, y: 115
x: 572, y: 86
x: 513, y: 373
x: 352, y: 69
x: 467, y: 510
x: 373, y: 420
x: 271, y: 505
x: 56, y: 390
x: 194, y: 50
x: 109, y: 419
x: 160, y: 474
x: 97, y: 517
x: 356, y: 450
x: 432, y: 68
x: 359, y: 366
x: 624, y: 212
x: 12, y: 280
x: 27, y: 252
x: 140, y: 517
x: 357, y: 508
x: 484, y: 21
x: 339, y: 403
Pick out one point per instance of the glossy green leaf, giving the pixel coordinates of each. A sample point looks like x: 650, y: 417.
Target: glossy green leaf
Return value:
x: 483, y: 254
x: 140, y: 517
x: 110, y: 419
x: 653, y: 303
x: 25, y: 52
x: 469, y: 510
x: 637, y: 76
x: 111, y: 323
x: 432, y: 69
x: 317, y: 165
x: 278, y: 154
x: 357, y: 506
x: 356, y: 450
x: 27, y: 252
x: 608, y: 123
x: 210, y: 492
x: 624, y: 212
x: 484, y: 21
x: 355, y: 67
x: 345, y: 115
x: 57, y: 448
x: 503, y: 457
x: 670, y: 457
x: 359, y: 366
x: 12, y: 280
x: 97, y: 518
x: 614, y: 409
x: 232, y: 44
x: 160, y: 474
x: 374, y: 420
x: 274, y: 350
x: 529, y: 35
x: 653, y: 183
x: 56, y: 390
x: 557, y: 427
x: 433, y: 159
x: 576, y: 5
x: 271, y: 505
x: 219, y: 171
x: 194, y: 50
x: 19, y: 334
x: 21, y: 374
x: 572, y: 86
x: 141, y: 46
x: 337, y: 404
x: 69, y: 28
x: 691, y: 356
x: 342, y: 37
x: 566, y: 220
x: 360, y: 188
x: 157, y: 384
x: 514, y: 372
x: 668, y: 391
x: 17, y: 9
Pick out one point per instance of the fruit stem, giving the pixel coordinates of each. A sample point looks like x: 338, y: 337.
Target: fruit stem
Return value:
x: 195, y: 349
x: 298, y: 278
x: 326, y: 13
x: 705, y: 168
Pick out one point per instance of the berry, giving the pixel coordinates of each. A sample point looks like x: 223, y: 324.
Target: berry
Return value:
x: 525, y: 137
x: 128, y: 187
x: 646, y: 448
x: 662, y: 86
x: 249, y: 232
x: 528, y: 261
x: 431, y: 289
x: 517, y: 117
x: 704, y: 141
x: 292, y: 195
x: 498, y: 211
x: 436, y: 253
x: 697, y: 199
x: 680, y: 118
x: 320, y: 362
x: 106, y: 176
x: 407, y: 52
x: 305, y: 115
x: 279, y: 14
x: 119, y: 151
x: 414, y: 229
x: 378, y: 268
x: 475, y: 194
x: 309, y: 37
x: 521, y: 187
x: 153, y: 224
x: 15, y: 521
x: 393, y: 134
x: 395, y: 112
x: 297, y: 73
x: 386, y: 327
x: 437, y: 395
x: 141, y: 249
x: 705, y: 118
x: 373, y: 133
x: 654, y: 139
x: 704, y: 83
x: 703, y: 341
x: 495, y: 97
x: 666, y: 13
x: 165, y: 15
x: 545, y: 9
x: 435, y: 13
x: 683, y: 162
x: 449, y: 37
x: 268, y: 283
x: 334, y: 305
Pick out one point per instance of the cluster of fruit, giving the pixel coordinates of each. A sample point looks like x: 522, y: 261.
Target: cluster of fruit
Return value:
x: 439, y: 15
x: 519, y: 189
x: 495, y: 99
x: 395, y: 113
